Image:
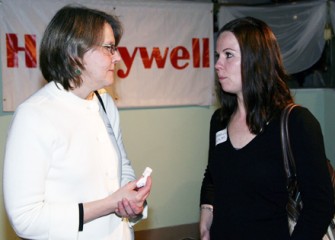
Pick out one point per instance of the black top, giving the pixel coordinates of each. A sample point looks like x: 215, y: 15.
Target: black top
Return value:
x: 247, y: 186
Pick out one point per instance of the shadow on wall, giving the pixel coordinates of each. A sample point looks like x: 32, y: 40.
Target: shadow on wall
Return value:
x: 9, y: 233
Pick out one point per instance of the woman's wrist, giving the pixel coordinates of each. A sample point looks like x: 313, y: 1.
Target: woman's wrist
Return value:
x: 98, y: 208
x: 206, y: 207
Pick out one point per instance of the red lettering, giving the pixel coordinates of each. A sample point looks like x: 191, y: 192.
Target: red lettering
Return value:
x: 29, y: 49
x: 156, y: 54
x: 175, y: 57
x: 196, y: 52
x: 205, y: 53
x: 179, y: 55
x: 128, y: 61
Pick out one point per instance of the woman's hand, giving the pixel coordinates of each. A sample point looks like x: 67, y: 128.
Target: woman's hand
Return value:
x: 206, y: 218
x: 132, y: 203
x: 128, y: 201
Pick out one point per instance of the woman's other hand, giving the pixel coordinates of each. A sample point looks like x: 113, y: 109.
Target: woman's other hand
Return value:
x: 133, y: 202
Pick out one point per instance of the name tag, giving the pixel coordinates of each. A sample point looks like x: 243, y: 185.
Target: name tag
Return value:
x: 221, y: 136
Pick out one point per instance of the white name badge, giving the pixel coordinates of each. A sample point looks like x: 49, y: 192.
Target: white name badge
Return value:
x: 221, y: 136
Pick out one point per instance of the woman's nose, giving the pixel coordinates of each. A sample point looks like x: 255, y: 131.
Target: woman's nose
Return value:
x: 218, y: 64
x: 116, y: 57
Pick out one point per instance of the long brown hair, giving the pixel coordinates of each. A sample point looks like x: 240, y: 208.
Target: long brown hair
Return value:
x: 264, y: 87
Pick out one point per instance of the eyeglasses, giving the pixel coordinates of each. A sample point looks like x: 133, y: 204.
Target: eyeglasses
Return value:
x: 110, y: 48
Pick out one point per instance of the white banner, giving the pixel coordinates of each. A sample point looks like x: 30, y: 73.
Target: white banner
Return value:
x: 167, y: 51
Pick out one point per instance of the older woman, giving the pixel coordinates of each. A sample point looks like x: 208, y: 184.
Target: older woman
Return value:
x: 66, y: 174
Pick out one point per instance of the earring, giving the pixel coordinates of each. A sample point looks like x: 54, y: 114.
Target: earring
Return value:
x: 77, y: 71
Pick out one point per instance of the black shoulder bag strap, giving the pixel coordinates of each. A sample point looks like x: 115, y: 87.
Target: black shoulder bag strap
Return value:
x: 100, y: 100
x: 289, y: 163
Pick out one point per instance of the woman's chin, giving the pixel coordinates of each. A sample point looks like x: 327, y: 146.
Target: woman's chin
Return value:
x: 109, y: 82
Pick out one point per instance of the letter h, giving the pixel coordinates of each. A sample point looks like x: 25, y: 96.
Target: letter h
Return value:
x: 13, y: 49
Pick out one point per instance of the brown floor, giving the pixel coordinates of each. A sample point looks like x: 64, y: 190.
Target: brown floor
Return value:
x: 180, y: 232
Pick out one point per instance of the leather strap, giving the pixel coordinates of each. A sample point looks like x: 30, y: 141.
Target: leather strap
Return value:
x: 289, y: 163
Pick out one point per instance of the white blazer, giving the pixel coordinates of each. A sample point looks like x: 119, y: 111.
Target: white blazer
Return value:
x: 59, y: 154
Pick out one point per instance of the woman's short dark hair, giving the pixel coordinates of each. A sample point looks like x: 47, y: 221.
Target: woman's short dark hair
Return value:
x: 73, y: 31
x: 264, y: 87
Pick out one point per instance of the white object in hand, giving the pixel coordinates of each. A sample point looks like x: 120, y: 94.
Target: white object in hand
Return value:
x: 140, y: 183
